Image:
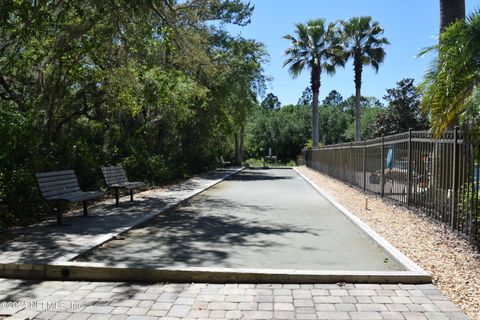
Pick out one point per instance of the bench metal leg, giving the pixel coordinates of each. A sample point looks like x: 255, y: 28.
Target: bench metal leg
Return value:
x: 85, y: 211
x: 116, y: 197
x: 131, y: 194
x: 58, y: 213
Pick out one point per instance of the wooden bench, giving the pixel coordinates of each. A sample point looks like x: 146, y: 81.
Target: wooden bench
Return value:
x: 116, y: 178
x: 63, y: 186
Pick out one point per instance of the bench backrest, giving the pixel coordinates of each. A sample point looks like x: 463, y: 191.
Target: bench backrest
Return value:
x: 57, y: 183
x: 114, y: 175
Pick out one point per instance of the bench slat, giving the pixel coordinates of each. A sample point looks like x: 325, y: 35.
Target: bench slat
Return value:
x: 54, y: 173
x: 59, y: 192
x: 60, y: 187
x: 47, y: 184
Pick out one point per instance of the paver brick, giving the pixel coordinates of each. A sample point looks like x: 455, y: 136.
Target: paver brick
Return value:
x: 430, y: 307
x: 283, y: 299
x: 404, y: 300
x: 217, y: 314
x: 239, y: 298
x: 222, y: 306
x: 162, y: 305
x: 234, y: 314
x: 381, y: 299
x: 328, y: 307
x: 265, y: 306
x: 179, y: 311
x: 345, y: 307
x: 263, y: 298
x: 414, y: 316
x: 320, y: 292
x: 397, y: 307
x: 98, y: 309
x: 457, y: 316
x: 436, y: 316
x: 332, y: 315
x: 248, y: 306
x: 258, y: 314
x: 284, y: 315
x: 306, y: 316
x: 362, y: 292
x: 137, y: 311
x: 282, y: 292
x: 391, y: 315
x: 327, y: 299
x: 365, y: 315
x: 198, y: 314
x: 283, y: 306
x: 305, y: 310
x: 362, y: 307
x: 446, y: 306
x: 339, y: 292
x: 303, y: 303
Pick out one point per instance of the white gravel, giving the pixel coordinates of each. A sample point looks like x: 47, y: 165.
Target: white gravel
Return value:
x: 452, y: 261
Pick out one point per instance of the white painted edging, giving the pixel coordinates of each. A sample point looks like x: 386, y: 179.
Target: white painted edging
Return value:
x: 107, y: 237
x: 387, y: 246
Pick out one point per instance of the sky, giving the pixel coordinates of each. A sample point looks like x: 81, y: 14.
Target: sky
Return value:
x: 410, y: 26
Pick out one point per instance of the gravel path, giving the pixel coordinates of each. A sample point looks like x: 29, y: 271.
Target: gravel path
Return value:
x: 452, y: 261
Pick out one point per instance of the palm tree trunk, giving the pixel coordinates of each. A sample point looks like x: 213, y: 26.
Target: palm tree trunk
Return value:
x: 315, y: 82
x: 358, y: 66
x: 450, y: 11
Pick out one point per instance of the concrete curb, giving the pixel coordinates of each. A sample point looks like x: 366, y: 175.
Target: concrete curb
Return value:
x: 411, y: 266
x: 91, y: 271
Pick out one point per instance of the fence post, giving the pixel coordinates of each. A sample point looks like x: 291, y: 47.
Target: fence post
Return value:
x: 350, y: 163
x: 364, y: 166
x: 409, y: 167
x: 333, y: 163
x: 382, y: 167
x: 454, y: 176
x: 341, y: 161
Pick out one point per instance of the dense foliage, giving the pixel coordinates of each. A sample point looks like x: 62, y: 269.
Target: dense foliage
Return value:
x: 287, y: 130
x: 451, y: 93
x: 156, y: 85
x: 403, y: 111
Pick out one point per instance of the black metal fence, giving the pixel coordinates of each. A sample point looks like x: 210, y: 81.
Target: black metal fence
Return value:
x: 438, y: 176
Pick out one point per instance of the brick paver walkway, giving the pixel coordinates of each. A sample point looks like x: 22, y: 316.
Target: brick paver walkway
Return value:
x: 101, y: 300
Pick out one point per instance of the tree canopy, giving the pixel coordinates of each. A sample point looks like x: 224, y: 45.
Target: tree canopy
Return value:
x: 155, y: 85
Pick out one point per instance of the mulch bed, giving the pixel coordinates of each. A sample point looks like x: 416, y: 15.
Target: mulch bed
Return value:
x: 453, y: 262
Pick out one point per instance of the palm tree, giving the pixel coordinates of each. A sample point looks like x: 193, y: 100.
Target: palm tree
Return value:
x: 451, y: 94
x: 318, y: 47
x: 451, y: 11
x: 364, y: 44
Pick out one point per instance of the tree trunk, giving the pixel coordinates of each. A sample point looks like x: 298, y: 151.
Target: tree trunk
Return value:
x: 450, y: 11
x: 358, y: 66
x: 315, y: 82
x: 242, y: 135
x: 238, y: 158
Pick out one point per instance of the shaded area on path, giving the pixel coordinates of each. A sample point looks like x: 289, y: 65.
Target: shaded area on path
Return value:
x: 47, y: 242
x: 256, y: 219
